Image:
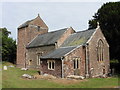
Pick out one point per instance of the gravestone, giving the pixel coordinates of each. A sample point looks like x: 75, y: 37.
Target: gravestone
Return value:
x: 5, y: 68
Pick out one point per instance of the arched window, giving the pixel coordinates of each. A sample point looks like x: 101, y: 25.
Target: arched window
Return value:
x: 100, y: 51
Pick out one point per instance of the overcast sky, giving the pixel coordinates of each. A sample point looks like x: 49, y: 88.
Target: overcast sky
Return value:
x: 56, y: 15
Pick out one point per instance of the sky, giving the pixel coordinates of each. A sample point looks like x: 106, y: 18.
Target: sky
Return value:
x: 56, y: 14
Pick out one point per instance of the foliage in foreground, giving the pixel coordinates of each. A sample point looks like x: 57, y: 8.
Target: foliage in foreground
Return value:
x: 8, y: 46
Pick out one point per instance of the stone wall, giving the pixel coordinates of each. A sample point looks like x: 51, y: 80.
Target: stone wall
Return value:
x: 39, y: 22
x: 33, y: 31
x: 32, y: 54
x: 96, y: 67
x: 26, y: 35
x: 21, y: 48
x: 56, y: 72
x: 69, y: 64
x: 66, y: 34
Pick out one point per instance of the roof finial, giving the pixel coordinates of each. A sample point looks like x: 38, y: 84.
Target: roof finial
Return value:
x: 98, y: 25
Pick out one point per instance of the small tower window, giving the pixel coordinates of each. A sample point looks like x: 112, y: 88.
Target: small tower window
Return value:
x: 38, y: 28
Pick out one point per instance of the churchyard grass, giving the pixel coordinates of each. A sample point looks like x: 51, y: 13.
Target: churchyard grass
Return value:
x: 12, y: 79
x: 0, y: 75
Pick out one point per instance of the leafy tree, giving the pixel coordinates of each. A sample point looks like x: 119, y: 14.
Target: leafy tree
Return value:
x: 109, y: 18
x: 8, y: 46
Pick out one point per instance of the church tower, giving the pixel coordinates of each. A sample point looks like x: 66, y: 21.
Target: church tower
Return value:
x: 26, y: 33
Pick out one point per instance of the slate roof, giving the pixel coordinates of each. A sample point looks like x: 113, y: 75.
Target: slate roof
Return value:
x: 25, y: 24
x: 70, y: 43
x: 78, y: 38
x: 58, y: 53
x: 47, y: 39
x: 29, y: 21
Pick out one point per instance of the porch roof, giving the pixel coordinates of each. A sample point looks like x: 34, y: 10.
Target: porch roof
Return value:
x: 58, y: 53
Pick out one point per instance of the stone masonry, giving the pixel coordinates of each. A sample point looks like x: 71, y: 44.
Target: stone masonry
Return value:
x: 72, y: 53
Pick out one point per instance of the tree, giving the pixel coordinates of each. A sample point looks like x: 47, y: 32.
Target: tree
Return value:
x: 8, y: 46
x: 109, y: 18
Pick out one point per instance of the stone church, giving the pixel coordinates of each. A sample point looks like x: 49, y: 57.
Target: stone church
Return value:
x: 62, y: 52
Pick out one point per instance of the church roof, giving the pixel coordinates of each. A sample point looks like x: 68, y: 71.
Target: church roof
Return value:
x: 74, y: 40
x: 47, y: 39
x: 41, y: 22
x: 58, y: 53
x: 78, y: 38
x: 25, y: 24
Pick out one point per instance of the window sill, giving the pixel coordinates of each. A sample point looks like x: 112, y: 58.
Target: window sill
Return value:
x: 51, y: 69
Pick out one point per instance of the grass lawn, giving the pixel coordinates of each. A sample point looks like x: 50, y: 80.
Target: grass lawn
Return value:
x: 0, y: 75
x: 12, y: 79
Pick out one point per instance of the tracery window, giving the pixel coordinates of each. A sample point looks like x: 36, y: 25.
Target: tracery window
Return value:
x: 100, y: 50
